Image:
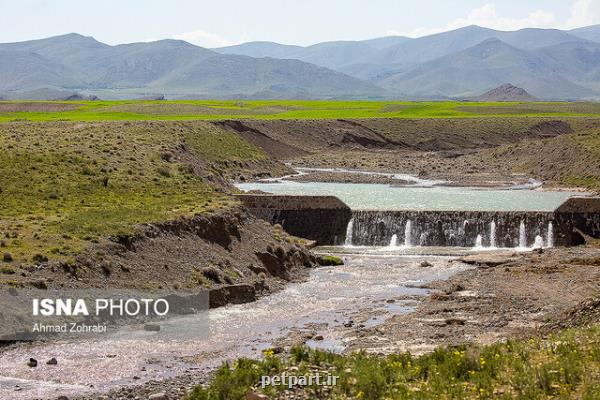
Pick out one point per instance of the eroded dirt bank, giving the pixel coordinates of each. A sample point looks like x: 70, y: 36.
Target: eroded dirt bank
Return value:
x: 476, y: 152
x: 507, y: 296
x: 223, y: 248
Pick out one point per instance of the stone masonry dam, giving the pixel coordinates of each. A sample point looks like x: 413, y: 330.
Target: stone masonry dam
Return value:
x: 329, y: 221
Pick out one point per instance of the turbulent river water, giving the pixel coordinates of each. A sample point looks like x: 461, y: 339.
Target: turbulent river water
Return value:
x: 331, y: 296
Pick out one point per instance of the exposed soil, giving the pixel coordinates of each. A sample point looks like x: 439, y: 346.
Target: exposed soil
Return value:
x: 506, y: 297
x: 36, y: 106
x: 207, y: 251
x: 446, y: 166
x: 285, y: 139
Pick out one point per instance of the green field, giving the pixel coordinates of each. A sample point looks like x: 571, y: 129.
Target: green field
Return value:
x: 280, y: 109
x: 563, y: 366
x: 64, y: 185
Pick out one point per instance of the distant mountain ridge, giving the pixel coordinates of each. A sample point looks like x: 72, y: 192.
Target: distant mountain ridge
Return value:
x: 173, y: 67
x: 463, y: 63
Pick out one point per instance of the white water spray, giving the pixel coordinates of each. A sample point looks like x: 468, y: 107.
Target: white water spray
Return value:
x: 479, y: 242
x: 550, y: 235
x: 539, y: 242
x: 408, y: 234
x: 394, y: 241
x: 349, y: 230
x: 493, y: 234
x: 522, y: 235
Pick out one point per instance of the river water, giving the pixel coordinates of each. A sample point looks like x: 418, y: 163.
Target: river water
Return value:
x: 360, y: 196
x: 366, y: 284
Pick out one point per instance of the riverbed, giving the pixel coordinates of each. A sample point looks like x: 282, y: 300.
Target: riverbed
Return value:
x: 367, y: 290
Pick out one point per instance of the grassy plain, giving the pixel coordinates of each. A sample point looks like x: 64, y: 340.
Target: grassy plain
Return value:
x: 281, y: 109
x: 64, y: 184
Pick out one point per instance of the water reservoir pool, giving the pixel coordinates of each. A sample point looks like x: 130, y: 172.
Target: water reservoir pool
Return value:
x: 438, y: 198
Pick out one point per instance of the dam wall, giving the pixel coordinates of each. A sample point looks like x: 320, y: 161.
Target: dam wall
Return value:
x: 329, y: 221
x: 323, y: 219
x: 453, y: 228
x: 579, y: 215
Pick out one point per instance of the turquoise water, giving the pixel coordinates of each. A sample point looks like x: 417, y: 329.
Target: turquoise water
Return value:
x: 384, y: 197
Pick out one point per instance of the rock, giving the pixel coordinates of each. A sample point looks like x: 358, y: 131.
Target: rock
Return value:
x: 52, y: 361
x: 152, y: 327
x: 32, y: 363
x: 426, y: 264
x: 256, y: 396
x: 455, y: 321
x: 318, y: 337
x: 234, y: 294
x: 7, y: 257
x: 491, y: 260
x: 158, y: 396
x: 63, y: 398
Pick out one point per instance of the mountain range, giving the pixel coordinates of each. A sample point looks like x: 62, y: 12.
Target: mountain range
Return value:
x: 463, y: 63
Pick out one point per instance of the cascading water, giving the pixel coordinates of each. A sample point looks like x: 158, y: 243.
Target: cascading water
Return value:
x: 349, y: 230
x: 493, y: 234
x: 408, y: 234
x: 550, y: 235
x: 522, y: 235
x: 499, y: 230
x: 394, y: 241
x: 539, y: 242
x: 479, y: 242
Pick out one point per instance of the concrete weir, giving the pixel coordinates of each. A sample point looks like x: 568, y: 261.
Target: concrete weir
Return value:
x: 329, y: 221
x: 320, y: 218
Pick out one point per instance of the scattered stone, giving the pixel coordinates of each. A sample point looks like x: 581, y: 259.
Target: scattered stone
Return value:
x: 158, y: 396
x: 152, y: 327
x: 52, y: 361
x: 256, y: 396
x: 490, y: 260
x: 7, y: 257
x: 318, y: 337
x: 32, y: 363
x: 40, y: 284
x: 426, y: 264
x: 455, y: 321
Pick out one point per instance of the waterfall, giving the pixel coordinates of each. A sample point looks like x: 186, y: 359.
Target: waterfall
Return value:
x: 408, y: 234
x: 349, y: 230
x: 394, y: 241
x: 539, y: 242
x: 498, y: 229
x: 493, y: 234
x: 479, y: 242
x: 550, y: 235
x: 522, y: 235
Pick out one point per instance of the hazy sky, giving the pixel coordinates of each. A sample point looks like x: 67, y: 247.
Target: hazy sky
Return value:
x: 224, y: 22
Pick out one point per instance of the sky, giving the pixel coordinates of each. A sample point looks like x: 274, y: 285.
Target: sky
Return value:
x: 302, y: 22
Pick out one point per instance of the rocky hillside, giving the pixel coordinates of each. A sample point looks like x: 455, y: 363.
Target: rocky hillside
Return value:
x: 506, y: 92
